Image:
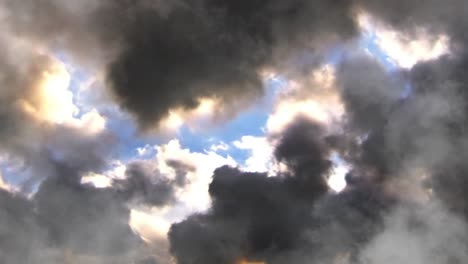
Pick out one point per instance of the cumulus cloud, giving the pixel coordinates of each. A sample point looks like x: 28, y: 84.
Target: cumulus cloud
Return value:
x: 261, y: 153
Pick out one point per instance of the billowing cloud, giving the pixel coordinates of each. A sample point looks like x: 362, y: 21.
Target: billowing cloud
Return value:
x: 253, y: 214
x: 399, y: 134
x: 183, y: 52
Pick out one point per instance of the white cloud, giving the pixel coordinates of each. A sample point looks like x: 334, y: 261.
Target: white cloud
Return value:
x: 53, y: 101
x: 220, y: 146
x: 5, y: 186
x: 146, y: 150
x: 97, y: 180
x: 404, y: 50
x: 104, y: 180
x: 195, y: 194
x: 315, y: 97
x: 149, y: 224
x: 261, y: 153
x: 152, y: 224
x: 91, y: 122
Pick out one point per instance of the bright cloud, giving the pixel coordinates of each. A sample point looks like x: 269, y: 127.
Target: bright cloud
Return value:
x: 221, y: 146
x: 154, y: 224
x: 315, y: 98
x: 337, y: 178
x: 52, y: 101
x: 195, y: 194
x: 403, y: 50
x: 3, y: 185
x: 261, y: 153
x: 97, y: 180
x: 149, y: 224
x: 195, y: 119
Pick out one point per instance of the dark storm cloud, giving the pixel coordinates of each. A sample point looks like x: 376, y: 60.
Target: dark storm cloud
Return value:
x: 211, y: 49
x: 423, y: 133
x: 161, y: 56
x: 427, y: 129
x: 158, y: 56
x: 439, y: 135
x: 66, y: 216
x: 254, y: 215
x: 287, y: 218
x: 368, y: 91
x: 95, y: 221
x: 251, y: 216
x: 81, y: 218
x: 20, y: 234
x: 370, y: 95
x: 388, y: 139
x: 303, y: 150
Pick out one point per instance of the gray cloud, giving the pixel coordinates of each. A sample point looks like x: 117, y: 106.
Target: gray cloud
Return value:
x: 284, y: 218
x: 160, y: 56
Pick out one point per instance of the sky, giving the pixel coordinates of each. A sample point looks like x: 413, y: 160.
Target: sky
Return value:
x: 224, y: 132
x: 240, y: 141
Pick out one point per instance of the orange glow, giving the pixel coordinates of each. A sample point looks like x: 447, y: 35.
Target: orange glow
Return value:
x: 251, y: 262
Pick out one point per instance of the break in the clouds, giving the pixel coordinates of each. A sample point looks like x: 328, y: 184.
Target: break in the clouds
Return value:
x: 400, y: 132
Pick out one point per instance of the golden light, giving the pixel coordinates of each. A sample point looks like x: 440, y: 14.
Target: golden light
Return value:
x: 3, y: 185
x: 179, y: 117
x: 206, y: 106
x: 173, y: 121
x: 51, y: 100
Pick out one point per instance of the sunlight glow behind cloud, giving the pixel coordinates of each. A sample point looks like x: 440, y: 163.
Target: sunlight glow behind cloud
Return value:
x: 404, y: 50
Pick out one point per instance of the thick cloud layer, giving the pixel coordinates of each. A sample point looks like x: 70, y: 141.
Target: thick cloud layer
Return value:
x: 20, y: 232
x: 65, y: 217
x: 163, y: 56
x: 254, y: 215
x: 285, y: 218
x: 407, y: 150
x: 401, y: 149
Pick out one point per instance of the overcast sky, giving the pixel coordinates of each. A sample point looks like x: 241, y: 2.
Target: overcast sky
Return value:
x: 224, y: 132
